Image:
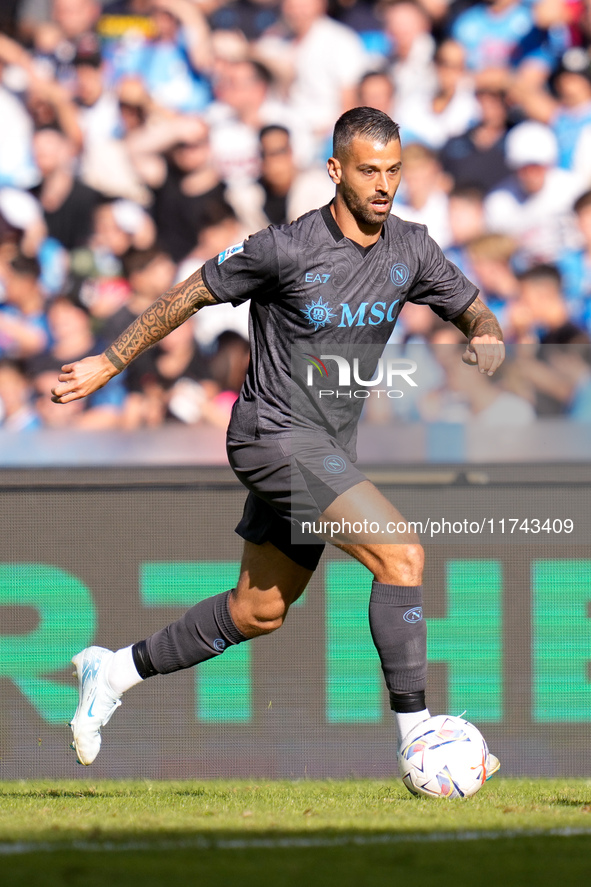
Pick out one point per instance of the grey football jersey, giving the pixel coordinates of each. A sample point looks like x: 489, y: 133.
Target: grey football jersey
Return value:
x: 312, y: 290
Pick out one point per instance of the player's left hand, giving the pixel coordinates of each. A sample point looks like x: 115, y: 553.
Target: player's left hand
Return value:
x: 487, y: 352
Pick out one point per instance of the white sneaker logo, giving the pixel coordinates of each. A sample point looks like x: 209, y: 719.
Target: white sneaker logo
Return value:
x: 90, y: 669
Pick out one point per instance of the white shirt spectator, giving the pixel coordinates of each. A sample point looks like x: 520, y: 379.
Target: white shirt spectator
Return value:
x: 329, y: 59
x: 414, y: 78
x: 235, y: 146
x: 100, y: 121
x: 582, y: 158
x: 420, y: 123
x: 16, y: 162
x: 543, y: 223
x: 434, y: 214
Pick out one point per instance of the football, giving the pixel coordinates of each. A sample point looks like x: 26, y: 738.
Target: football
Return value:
x: 443, y: 757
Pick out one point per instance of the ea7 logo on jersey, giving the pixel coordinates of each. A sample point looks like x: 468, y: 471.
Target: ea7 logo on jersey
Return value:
x: 312, y: 277
x: 231, y: 251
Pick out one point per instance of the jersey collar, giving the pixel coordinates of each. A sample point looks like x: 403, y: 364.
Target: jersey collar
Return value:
x: 338, y: 235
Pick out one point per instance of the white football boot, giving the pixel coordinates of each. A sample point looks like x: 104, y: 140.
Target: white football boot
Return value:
x: 96, y: 703
x: 493, y: 765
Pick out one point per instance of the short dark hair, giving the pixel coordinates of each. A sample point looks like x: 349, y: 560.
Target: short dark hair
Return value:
x: 261, y: 72
x: 137, y: 260
x: 366, y: 123
x: 470, y: 193
x: 26, y: 266
x: 273, y: 127
x: 542, y: 273
x: 377, y: 72
x: 582, y: 202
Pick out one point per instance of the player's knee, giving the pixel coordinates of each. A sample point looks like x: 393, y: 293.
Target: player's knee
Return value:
x: 264, y: 617
x: 401, y: 564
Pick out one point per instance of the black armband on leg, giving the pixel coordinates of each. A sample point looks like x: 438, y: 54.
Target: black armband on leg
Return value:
x: 142, y: 661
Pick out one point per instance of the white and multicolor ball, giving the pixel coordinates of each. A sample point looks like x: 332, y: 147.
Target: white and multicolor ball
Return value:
x: 443, y: 757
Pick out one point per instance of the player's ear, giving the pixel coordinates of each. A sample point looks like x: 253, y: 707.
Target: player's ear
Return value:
x: 334, y: 169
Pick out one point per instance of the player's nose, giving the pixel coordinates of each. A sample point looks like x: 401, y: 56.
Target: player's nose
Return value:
x: 382, y: 184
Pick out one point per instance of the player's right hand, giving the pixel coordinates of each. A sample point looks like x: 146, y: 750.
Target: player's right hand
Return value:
x: 83, y: 377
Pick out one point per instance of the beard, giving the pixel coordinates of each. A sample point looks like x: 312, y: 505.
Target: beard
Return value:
x: 361, y: 208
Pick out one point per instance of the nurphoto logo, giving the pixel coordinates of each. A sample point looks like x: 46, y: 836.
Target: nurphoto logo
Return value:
x: 388, y: 372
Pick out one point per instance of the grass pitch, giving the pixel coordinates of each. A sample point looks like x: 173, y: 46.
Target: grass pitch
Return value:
x: 261, y: 834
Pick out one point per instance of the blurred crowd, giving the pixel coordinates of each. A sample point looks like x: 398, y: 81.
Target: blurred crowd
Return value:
x: 141, y: 137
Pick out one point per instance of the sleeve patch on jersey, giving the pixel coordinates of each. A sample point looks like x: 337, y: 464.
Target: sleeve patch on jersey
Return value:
x: 231, y: 251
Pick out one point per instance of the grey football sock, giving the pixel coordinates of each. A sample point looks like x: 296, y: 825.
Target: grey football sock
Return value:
x: 202, y: 633
x: 400, y: 635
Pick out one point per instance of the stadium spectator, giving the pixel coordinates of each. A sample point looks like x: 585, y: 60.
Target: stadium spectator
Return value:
x: 118, y: 226
x: 72, y: 335
x: 23, y: 324
x: 55, y: 39
x: 540, y: 293
x: 175, y: 61
x: 535, y: 204
x: 150, y: 272
x: 490, y: 256
x: 376, y: 90
x: 318, y: 60
x: 568, y: 112
x: 571, y: 116
x: 472, y: 399
x: 424, y: 199
x: 16, y: 399
x: 182, y: 372
x: 188, y: 192
x: 244, y: 105
x: 408, y: 28
x: 223, y: 233
x: 98, y: 107
x: 68, y: 204
x: 416, y: 325
x: 76, y: 17
x: 16, y: 160
x: 573, y: 363
x: 282, y: 192
x: 250, y: 17
x: 106, y: 164
x: 21, y: 221
x: 477, y: 156
x: 228, y: 368
x: 432, y: 120
x: 51, y: 106
x: 503, y: 34
x: 466, y: 222
x: 575, y: 266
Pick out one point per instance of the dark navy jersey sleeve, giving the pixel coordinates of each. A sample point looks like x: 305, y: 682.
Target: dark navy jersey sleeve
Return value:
x: 439, y: 283
x: 244, y: 271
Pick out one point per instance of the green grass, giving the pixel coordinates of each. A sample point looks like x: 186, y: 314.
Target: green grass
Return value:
x: 345, y: 833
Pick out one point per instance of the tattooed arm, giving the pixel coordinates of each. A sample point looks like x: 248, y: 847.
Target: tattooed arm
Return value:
x: 485, y: 345
x: 86, y: 376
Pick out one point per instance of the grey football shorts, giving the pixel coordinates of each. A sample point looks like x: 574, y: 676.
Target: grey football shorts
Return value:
x: 290, y: 479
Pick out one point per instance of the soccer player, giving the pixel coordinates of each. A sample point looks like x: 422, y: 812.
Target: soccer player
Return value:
x: 335, y: 278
